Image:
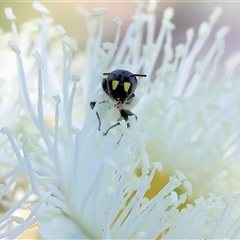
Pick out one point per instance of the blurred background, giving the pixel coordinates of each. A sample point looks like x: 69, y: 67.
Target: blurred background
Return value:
x: 187, y: 14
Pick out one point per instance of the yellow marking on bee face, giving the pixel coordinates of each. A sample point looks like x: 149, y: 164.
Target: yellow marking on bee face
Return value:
x: 114, y: 84
x: 107, y: 76
x: 126, y: 86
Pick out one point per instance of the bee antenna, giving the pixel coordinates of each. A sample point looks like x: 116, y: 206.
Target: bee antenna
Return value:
x: 106, y: 73
x: 139, y: 75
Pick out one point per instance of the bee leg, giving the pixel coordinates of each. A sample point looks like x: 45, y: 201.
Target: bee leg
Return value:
x: 104, y: 134
x: 99, y: 121
x: 125, y: 114
x: 116, y: 124
x: 120, y: 139
x: 92, y: 105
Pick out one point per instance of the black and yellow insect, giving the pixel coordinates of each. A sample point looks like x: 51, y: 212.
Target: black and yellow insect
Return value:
x: 119, y: 85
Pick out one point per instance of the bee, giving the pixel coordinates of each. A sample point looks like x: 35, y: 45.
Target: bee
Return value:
x: 120, y: 86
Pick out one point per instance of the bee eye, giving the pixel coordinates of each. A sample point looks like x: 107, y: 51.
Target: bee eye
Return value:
x: 114, y: 84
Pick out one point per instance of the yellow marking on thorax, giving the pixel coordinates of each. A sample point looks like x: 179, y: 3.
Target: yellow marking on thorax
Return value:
x: 127, y: 86
x: 114, y: 84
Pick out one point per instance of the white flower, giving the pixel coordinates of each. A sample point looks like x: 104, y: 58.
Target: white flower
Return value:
x: 172, y: 174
